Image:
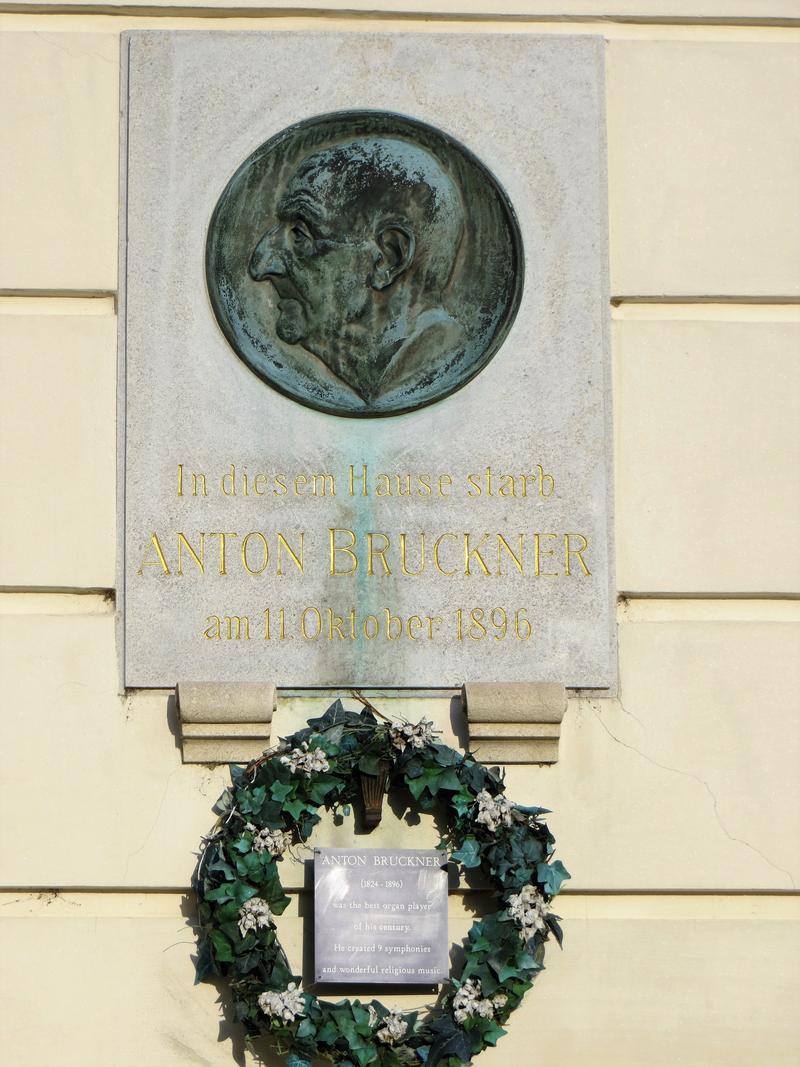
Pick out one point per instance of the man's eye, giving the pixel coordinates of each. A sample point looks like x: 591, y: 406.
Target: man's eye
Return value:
x: 300, y: 234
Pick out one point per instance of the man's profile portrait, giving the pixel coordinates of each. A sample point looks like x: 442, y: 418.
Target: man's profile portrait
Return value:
x: 364, y: 264
x: 364, y: 243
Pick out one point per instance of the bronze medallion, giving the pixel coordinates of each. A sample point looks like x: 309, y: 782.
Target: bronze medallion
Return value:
x: 364, y: 264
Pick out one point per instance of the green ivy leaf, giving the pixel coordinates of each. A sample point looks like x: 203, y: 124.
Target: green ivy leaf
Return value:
x: 296, y: 808
x: 306, y: 1028
x: 293, y: 1060
x: 433, y: 779
x: 492, y: 1034
x: 449, y: 1041
x: 551, y: 875
x: 469, y: 855
x: 221, y: 893
x: 370, y: 765
x: 281, y: 790
x: 462, y: 801
x: 250, y: 800
x: 446, y: 757
x: 223, y: 950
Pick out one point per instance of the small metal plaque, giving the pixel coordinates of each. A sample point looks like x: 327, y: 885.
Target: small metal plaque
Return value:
x: 380, y: 916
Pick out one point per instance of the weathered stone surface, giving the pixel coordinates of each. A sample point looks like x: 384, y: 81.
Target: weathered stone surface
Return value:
x: 235, y: 702
x: 222, y: 750
x: 516, y: 750
x: 514, y: 702
x: 506, y: 480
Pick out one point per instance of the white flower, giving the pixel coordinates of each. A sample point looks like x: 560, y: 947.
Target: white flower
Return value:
x: 286, y: 1006
x: 468, y: 1001
x: 493, y: 812
x: 310, y: 760
x: 394, y: 1028
x: 273, y: 841
x: 373, y: 1016
x: 402, y: 734
x: 528, y: 909
x: 253, y: 915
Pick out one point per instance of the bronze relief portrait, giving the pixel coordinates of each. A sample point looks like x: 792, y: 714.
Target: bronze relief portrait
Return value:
x: 364, y: 264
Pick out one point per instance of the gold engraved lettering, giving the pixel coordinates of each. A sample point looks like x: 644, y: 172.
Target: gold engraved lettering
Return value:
x: 404, y: 556
x: 372, y: 552
x: 155, y: 545
x: 283, y: 545
x: 314, y: 615
x: 228, y: 481
x: 414, y: 624
x: 334, y: 549
x: 437, y: 563
x: 198, y: 483
x: 490, y: 483
x: 569, y: 551
x: 280, y: 486
x: 222, y: 548
x: 323, y: 485
x: 336, y: 624
x: 470, y: 552
x: 547, y: 482
x: 264, y: 553
x: 259, y: 483
x: 199, y: 559
x: 353, y: 476
x: 445, y: 482
x: 238, y: 626
x: 503, y: 544
x: 537, y: 556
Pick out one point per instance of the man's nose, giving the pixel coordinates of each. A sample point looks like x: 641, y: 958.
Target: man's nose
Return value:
x: 267, y: 257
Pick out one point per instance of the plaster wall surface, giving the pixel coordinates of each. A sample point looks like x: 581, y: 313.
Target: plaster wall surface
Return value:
x: 675, y: 805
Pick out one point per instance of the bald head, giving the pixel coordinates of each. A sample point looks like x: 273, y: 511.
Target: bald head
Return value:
x: 376, y: 185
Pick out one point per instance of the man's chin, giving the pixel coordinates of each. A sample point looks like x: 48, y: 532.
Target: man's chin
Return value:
x: 291, y: 325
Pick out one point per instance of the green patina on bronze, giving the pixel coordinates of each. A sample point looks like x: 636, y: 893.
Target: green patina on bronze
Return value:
x: 364, y: 264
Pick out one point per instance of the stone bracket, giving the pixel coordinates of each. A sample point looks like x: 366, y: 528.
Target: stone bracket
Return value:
x: 224, y: 722
x: 514, y: 722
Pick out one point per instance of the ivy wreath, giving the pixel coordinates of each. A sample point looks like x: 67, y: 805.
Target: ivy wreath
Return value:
x: 273, y: 804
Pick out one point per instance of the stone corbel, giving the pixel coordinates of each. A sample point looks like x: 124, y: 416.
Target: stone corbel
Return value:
x: 514, y: 722
x: 224, y: 722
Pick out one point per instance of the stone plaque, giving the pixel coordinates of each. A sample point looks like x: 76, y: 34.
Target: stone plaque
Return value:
x: 380, y: 916
x: 365, y: 413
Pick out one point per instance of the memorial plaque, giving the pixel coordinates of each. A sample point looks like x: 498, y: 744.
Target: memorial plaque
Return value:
x: 380, y: 916
x: 365, y: 418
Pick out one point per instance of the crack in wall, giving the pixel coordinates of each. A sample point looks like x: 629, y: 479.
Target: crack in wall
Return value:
x: 695, y: 777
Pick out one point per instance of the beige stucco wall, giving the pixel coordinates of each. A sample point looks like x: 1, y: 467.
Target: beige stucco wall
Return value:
x: 676, y: 806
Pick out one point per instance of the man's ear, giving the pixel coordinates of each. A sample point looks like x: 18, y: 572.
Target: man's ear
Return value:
x: 396, y: 245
